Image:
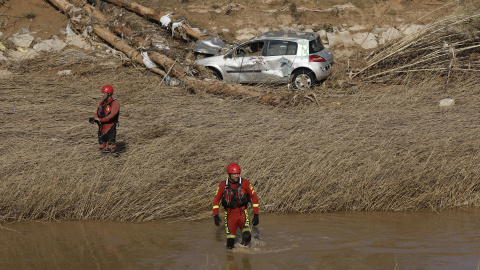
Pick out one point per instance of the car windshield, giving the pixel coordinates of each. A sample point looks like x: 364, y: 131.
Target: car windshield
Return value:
x: 315, y: 45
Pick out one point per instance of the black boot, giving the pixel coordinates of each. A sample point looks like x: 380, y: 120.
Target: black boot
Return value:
x: 230, y: 242
x: 246, y: 238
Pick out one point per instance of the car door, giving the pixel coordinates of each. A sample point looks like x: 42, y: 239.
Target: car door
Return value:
x: 279, y: 56
x: 245, y: 63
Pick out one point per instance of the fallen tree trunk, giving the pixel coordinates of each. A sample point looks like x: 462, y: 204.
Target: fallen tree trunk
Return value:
x: 176, y: 69
x: 62, y: 5
x: 68, y: 9
x: 95, y: 13
x: 117, y: 42
x: 151, y: 14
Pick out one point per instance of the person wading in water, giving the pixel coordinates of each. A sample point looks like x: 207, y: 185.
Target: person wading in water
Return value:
x: 235, y: 194
x: 106, y: 117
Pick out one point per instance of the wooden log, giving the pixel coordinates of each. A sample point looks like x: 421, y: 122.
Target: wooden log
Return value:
x: 194, y: 84
x: 175, y: 69
x: 117, y: 42
x: 151, y: 14
x: 122, y: 31
x: 168, y: 64
x: 77, y: 15
x: 95, y: 13
x: 62, y: 5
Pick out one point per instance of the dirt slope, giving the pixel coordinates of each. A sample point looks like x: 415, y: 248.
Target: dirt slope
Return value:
x: 231, y: 21
x: 225, y: 18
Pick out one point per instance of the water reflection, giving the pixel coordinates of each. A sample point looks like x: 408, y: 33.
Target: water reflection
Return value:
x: 233, y: 265
x: 317, y: 241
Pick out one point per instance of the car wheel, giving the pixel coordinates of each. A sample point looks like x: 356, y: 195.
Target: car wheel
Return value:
x: 303, y: 79
x: 216, y: 74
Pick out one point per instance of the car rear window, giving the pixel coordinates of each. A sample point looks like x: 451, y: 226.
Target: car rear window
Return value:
x: 315, y: 45
x: 278, y: 47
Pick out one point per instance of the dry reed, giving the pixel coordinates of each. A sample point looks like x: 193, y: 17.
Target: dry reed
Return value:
x: 365, y: 148
x: 447, y: 45
x: 370, y: 148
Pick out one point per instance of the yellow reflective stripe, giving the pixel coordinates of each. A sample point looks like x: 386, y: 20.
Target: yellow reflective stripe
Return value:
x: 247, y: 220
x: 227, y: 231
x: 215, y: 206
x: 230, y: 236
x: 245, y: 230
x: 255, y: 205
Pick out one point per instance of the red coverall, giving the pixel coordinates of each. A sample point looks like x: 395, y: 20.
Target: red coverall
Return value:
x: 236, y: 217
x: 107, y: 113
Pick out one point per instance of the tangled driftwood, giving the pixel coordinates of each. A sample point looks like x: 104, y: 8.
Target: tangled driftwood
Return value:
x: 151, y: 14
x: 441, y: 47
x: 82, y: 15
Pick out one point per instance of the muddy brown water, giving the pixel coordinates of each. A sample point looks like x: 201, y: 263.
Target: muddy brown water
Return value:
x: 447, y: 240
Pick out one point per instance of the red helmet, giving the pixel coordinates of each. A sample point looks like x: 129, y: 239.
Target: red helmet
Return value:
x: 108, y: 89
x: 233, y: 168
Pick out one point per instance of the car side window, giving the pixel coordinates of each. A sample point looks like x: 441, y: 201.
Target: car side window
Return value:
x: 250, y: 49
x: 278, y: 47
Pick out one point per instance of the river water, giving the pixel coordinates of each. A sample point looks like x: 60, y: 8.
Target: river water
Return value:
x: 447, y: 240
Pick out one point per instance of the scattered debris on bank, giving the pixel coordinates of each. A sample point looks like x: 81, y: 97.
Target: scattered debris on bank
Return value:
x: 441, y: 48
x: 166, y: 44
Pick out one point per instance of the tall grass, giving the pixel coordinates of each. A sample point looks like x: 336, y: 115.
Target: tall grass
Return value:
x: 368, y: 147
x: 384, y: 148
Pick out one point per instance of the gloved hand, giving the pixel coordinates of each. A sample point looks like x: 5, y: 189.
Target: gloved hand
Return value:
x: 91, y: 120
x: 216, y: 219
x: 255, y: 220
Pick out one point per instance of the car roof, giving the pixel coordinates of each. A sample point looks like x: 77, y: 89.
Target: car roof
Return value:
x: 287, y: 35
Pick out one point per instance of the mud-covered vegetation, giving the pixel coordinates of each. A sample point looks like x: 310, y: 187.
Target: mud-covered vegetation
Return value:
x: 357, y: 146
x: 365, y: 148
x: 451, y: 44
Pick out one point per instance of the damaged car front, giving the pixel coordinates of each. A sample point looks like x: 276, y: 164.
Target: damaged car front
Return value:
x: 298, y: 58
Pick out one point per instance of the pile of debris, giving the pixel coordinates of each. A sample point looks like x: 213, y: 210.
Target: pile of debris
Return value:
x: 86, y: 18
x: 441, y: 48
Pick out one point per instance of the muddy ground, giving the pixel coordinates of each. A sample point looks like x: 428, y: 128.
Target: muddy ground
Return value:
x: 232, y: 20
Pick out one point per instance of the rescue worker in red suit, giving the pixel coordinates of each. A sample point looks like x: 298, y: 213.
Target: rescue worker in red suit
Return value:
x: 235, y: 193
x: 107, y: 119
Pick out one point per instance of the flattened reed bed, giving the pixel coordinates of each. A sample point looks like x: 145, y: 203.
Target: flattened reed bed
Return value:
x: 449, y: 44
x: 384, y: 148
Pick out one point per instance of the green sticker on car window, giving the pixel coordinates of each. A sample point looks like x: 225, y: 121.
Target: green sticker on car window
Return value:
x: 304, y: 49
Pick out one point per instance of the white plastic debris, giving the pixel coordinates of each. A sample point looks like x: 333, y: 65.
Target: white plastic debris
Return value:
x: 175, y: 25
x: 147, y: 61
x: 162, y: 47
x: 64, y: 72
x: 69, y: 30
x: 165, y: 20
x: 87, y: 31
x: 447, y: 102
x: 445, y: 47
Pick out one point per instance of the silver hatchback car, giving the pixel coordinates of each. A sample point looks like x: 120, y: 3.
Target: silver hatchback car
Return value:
x: 275, y: 57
